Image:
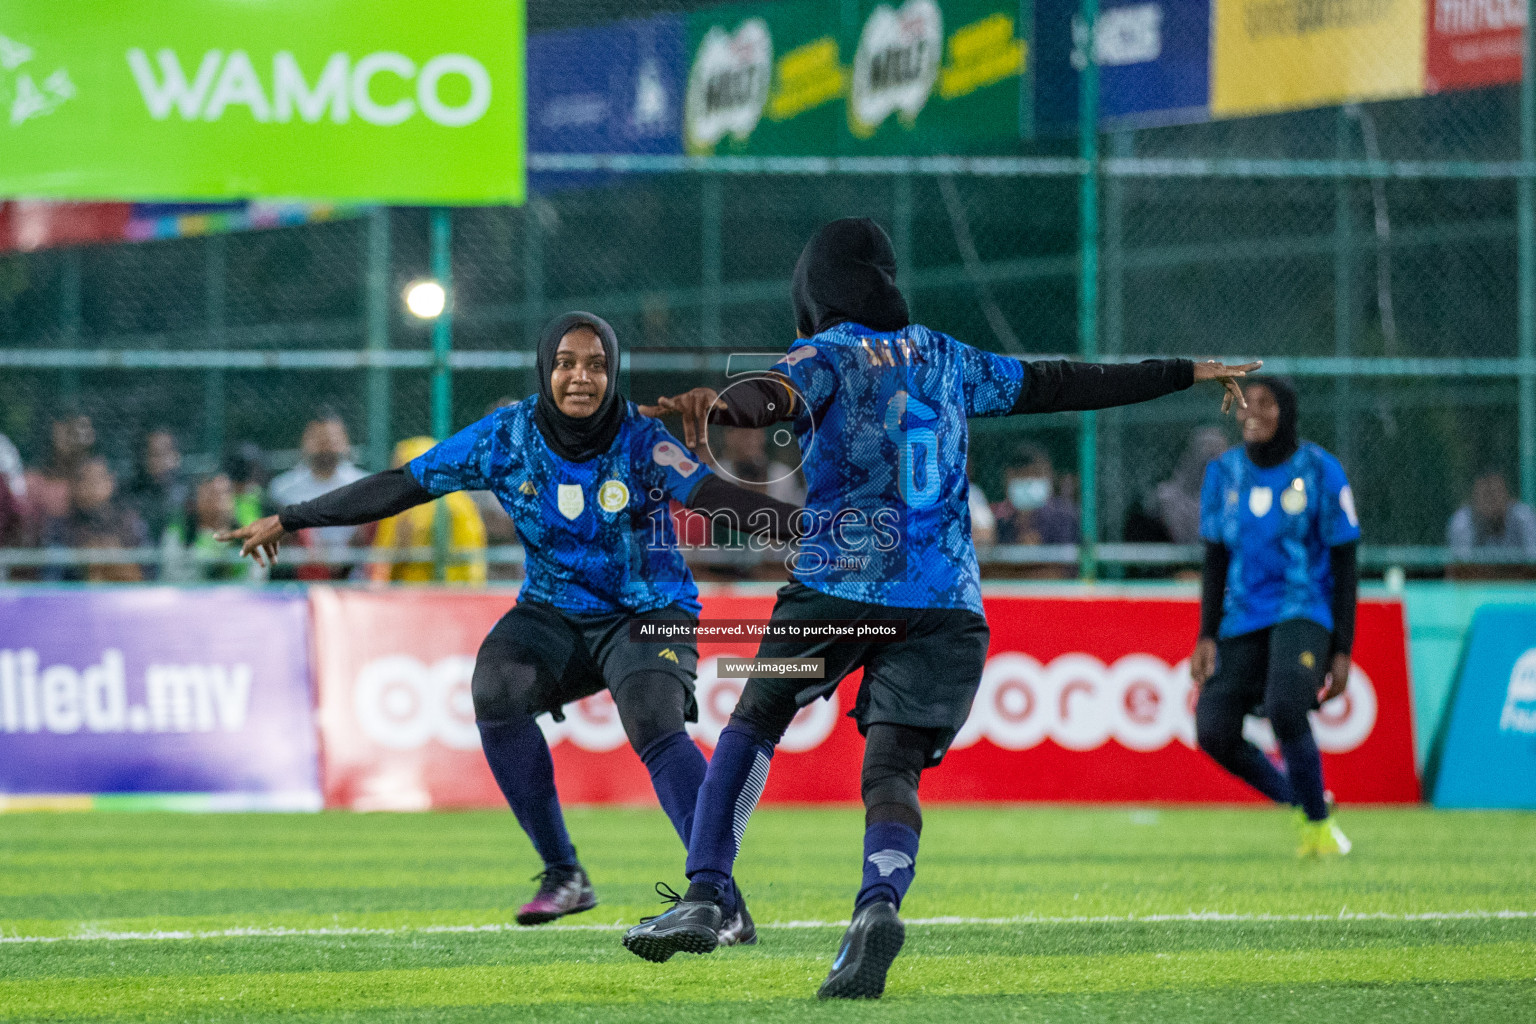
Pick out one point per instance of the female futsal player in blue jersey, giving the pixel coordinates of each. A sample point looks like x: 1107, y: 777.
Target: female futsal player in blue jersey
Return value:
x: 879, y: 405
x: 1277, y: 605
x: 588, y: 483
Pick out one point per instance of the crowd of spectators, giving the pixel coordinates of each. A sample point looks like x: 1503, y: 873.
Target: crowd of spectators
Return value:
x: 73, y: 501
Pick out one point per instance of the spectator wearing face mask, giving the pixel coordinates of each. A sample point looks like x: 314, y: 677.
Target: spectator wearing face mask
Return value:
x: 1035, y: 510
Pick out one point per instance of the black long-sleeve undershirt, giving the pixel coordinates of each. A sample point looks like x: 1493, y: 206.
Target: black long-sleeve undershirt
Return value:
x: 1343, y: 561
x: 382, y: 495
x: 368, y: 500
x: 1063, y: 385
x: 1050, y: 385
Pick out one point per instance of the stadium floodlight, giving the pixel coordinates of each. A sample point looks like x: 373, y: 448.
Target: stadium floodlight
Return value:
x: 425, y: 299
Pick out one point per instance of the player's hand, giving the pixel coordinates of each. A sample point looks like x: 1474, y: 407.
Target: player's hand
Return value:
x: 260, y: 540
x: 1212, y: 370
x: 1338, y: 678
x: 1202, y: 664
x: 694, y: 407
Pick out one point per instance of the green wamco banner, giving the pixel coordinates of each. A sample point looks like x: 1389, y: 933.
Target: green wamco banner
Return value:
x: 393, y: 101
x: 923, y: 76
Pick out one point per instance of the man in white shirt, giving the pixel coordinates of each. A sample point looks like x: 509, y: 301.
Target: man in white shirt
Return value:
x: 1492, y: 520
x: 325, y: 465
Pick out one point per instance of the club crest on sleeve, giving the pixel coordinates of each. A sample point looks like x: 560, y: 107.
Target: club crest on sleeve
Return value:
x: 802, y: 353
x: 1260, y: 501
x: 1347, y: 505
x: 613, y: 496
x: 570, y: 501
x: 667, y: 454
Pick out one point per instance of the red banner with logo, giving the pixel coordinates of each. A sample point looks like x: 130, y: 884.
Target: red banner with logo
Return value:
x: 1083, y: 698
x: 1472, y: 43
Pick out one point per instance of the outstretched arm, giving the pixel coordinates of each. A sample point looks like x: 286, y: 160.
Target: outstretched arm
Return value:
x: 754, y: 403
x: 1060, y: 385
x: 759, y: 514
x: 367, y: 500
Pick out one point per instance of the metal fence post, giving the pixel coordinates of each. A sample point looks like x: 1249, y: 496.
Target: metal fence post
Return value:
x: 1525, y: 186
x: 1343, y: 298
x: 377, y: 304
x: 215, y: 300
x: 442, y: 380
x: 712, y: 203
x: 1088, y: 283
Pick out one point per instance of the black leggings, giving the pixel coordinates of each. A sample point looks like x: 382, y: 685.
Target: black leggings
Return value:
x: 1275, y: 672
x: 506, y: 687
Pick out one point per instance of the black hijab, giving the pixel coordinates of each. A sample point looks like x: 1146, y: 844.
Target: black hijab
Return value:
x: 1283, y: 445
x: 578, y: 439
x: 847, y: 273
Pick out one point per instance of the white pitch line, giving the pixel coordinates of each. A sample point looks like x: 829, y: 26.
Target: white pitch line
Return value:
x: 1343, y: 916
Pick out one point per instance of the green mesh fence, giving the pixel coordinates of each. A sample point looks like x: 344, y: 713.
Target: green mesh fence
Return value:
x: 1370, y: 252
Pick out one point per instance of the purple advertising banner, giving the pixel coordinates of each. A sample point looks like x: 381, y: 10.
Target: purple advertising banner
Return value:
x: 158, y: 690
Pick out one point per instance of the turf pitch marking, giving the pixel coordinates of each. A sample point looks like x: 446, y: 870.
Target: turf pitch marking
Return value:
x: 1343, y: 916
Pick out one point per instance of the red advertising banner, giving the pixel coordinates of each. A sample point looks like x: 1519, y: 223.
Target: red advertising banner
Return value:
x: 1083, y: 698
x: 1473, y: 43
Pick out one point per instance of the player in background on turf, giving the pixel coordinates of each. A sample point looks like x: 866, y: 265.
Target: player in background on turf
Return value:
x: 879, y: 406
x: 588, y: 483
x: 1277, y: 605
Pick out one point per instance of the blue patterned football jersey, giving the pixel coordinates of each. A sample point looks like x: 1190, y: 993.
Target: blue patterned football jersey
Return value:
x: 597, y: 535
x: 882, y: 423
x: 1278, y: 523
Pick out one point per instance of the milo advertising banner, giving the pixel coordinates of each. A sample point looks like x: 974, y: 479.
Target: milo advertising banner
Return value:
x: 764, y: 79
x: 931, y: 77
x: 370, y: 100
x: 814, y: 78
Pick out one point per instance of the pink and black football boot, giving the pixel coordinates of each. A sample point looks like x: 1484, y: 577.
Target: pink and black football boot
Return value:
x: 562, y: 891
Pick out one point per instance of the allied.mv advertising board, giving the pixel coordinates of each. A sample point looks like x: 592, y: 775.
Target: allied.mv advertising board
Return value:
x: 373, y: 100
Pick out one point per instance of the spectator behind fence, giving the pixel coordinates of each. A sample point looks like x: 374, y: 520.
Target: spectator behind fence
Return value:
x: 72, y: 438
x: 213, y: 510
x: 414, y: 527
x: 1035, y: 510
x: 248, y: 477
x: 498, y: 525
x: 983, y: 522
x: 13, y: 496
x: 160, y: 493
x: 1491, y: 522
x: 1170, y: 512
x: 325, y: 466
x: 744, y: 460
x: 96, y: 518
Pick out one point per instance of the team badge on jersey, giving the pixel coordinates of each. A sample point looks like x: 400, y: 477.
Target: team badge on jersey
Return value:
x: 1294, y: 499
x: 613, y: 496
x: 570, y: 500
x: 801, y: 353
x: 528, y: 488
x: 668, y: 454
x: 1260, y: 501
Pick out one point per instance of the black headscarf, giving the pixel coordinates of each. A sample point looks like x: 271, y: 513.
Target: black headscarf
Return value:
x: 1283, y: 445
x: 578, y: 439
x: 847, y: 273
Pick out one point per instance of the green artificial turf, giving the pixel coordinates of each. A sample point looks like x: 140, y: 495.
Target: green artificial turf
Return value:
x: 1054, y: 914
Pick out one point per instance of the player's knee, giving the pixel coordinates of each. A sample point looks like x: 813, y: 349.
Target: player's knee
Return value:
x: 1218, y: 734
x: 651, y: 705
x: 763, y: 713
x: 1286, y: 706
x: 503, y: 685
x: 894, y: 756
